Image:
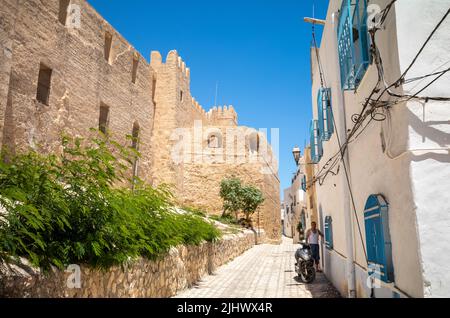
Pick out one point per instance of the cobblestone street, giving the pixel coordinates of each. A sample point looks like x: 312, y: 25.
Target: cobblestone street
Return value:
x: 265, y: 271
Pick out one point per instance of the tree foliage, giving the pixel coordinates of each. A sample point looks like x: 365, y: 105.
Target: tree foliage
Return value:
x: 240, y: 198
x: 67, y: 208
x: 251, y: 199
x: 230, y: 192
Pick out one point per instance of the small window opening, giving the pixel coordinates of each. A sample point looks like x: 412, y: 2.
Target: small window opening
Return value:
x: 135, y: 136
x: 63, y: 11
x: 108, y: 44
x: 181, y: 96
x: 254, y: 142
x: 214, y: 141
x: 103, y: 121
x: 135, y: 146
x: 134, y: 70
x: 44, y: 81
x: 154, y: 90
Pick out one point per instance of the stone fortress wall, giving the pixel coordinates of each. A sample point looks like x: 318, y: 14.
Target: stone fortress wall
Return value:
x: 197, y: 180
x: 181, y: 268
x: 82, y: 79
x: 97, y: 76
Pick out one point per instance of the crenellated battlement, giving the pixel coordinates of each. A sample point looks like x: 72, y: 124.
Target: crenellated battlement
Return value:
x: 225, y: 115
x: 199, y: 107
x: 218, y: 115
x: 173, y: 59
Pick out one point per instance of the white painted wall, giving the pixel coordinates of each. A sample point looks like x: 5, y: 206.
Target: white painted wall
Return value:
x: 429, y: 129
x: 288, y: 203
x: 293, y: 205
x: 415, y: 184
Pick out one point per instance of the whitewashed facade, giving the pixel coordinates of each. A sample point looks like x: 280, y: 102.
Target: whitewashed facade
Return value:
x: 294, y: 208
x: 403, y: 156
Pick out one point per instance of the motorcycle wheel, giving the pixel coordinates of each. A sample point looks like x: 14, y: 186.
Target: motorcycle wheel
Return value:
x: 307, y: 273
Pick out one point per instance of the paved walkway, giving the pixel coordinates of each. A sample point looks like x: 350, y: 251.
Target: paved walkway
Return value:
x: 264, y: 271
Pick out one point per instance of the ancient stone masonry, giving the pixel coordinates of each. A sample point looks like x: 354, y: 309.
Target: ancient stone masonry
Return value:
x: 179, y: 269
x: 63, y: 68
x: 216, y: 147
x: 82, y: 80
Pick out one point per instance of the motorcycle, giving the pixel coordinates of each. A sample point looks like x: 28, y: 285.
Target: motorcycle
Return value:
x: 304, y: 266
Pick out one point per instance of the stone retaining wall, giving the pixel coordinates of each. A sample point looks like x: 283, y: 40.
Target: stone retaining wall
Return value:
x: 178, y: 270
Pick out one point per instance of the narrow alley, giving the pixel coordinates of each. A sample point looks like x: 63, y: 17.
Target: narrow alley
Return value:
x: 264, y: 271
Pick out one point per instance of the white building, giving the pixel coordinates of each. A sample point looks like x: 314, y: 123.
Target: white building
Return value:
x: 389, y: 204
x: 294, y: 206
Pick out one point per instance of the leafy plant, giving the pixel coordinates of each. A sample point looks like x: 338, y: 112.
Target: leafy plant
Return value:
x: 251, y: 199
x: 230, y: 192
x: 73, y: 207
x: 226, y: 219
x: 237, y: 197
x: 194, y: 210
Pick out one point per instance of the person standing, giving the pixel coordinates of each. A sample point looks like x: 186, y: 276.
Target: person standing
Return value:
x: 312, y: 238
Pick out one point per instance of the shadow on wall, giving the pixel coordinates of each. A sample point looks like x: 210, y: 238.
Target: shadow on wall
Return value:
x: 427, y: 131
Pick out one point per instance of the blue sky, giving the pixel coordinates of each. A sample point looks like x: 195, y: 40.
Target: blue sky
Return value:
x: 257, y: 51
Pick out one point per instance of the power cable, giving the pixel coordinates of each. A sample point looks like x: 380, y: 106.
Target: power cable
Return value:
x: 376, y: 103
x: 350, y: 189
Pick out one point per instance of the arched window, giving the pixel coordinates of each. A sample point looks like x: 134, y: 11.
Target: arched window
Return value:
x: 214, y: 140
x: 378, y: 241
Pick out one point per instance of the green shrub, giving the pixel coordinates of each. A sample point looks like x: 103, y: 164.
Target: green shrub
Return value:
x: 226, y: 219
x: 230, y: 192
x: 64, y: 209
x: 238, y: 197
x: 194, y: 210
x: 251, y: 199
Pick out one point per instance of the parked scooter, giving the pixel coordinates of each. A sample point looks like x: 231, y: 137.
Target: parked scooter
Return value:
x: 304, y: 266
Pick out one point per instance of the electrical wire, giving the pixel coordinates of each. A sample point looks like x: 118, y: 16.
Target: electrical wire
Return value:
x: 350, y: 190
x: 375, y: 104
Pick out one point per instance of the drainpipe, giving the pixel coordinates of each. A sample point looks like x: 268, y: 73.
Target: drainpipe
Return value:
x: 350, y: 261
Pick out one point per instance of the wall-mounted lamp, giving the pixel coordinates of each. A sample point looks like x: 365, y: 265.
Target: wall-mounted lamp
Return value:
x: 296, y: 154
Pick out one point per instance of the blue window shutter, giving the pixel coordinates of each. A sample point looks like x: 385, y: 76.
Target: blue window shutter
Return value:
x: 328, y: 232
x: 320, y: 117
x: 316, y: 142
x: 378, y: 242
x: 325, y: 119
x: 361, y: 48
x: 353, y: 43
x: 345, y: 42
x: 329, y: 114
x: 304, y: 183
x: 312, y: 143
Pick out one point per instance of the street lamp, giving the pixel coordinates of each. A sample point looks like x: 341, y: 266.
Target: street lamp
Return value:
x: 296, y: 153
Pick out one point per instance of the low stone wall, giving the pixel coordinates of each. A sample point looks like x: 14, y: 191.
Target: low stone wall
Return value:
x: 178, y: 270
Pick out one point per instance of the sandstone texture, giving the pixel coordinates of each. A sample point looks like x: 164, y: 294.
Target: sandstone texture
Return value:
x: 87, y: 74
x: 181, y: 268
